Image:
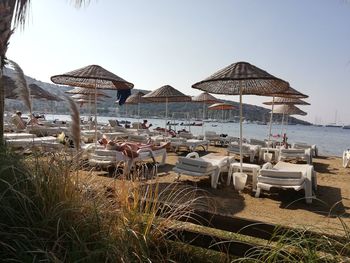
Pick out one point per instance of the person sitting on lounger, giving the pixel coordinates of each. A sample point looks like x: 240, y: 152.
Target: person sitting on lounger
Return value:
x: 18, y: 121
x: 34, y: 120
x: 144, y: 125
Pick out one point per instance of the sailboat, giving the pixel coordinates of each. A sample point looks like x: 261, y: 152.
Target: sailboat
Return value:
x: 334, y: 124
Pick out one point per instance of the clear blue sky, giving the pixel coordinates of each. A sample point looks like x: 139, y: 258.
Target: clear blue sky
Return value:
x: 156, y: 42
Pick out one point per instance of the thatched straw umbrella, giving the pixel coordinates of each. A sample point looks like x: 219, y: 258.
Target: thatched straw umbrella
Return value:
x: 166, y: 94
x: 136, y: 99
x: 36, y: 92
x: 88, y: 94
x: 93, y: 77
x: 286, y: 101
x: 288, y: 109
x: 286, y: 97
x: 238, y: 79
x: 221, y: 106
x: 205, y: 98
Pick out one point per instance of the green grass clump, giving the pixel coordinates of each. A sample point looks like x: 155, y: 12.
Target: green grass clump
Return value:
x: 49, y: 214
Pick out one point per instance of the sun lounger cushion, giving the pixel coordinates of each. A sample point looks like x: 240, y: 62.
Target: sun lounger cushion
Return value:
x: 192, y: 165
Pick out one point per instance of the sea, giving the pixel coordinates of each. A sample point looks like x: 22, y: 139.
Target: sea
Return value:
x: 331, y: 141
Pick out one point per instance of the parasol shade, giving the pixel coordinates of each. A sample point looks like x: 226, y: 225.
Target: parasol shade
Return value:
x: 205, y: 97
x: 92, y: 76
x: 86, y: 97
x: 221, y: 106
x: 137, y: 98
x: 289, y: 110
x: 290, y: 101
x: 85, y: 91
x: 289, y: 93
x: 35, y: 91
x: 244, y: 78
x: 167, y: 94
x: 238, y: 79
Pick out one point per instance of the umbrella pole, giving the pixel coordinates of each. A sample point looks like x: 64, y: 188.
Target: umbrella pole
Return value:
x: 203, y: 118
x: 270, y: 126
x: 126, y: 114
x: 240, y: 131
x: 166, y: 112
x: 96, y: 112
x: 222, y: 120
x: 90, y: 122
x: 282, y: 125
x: 138, y: 116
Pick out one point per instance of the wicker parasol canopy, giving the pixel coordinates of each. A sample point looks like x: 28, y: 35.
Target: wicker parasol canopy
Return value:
x: 92, y: 76
x: 35, y: 91
x: 87, y: 97
x: 88, y: 92
x: 244, y: 78
x: 289, y: 110
x: 282, y: 101
x: 289, y: 93
x: 83, y: 101
x: 167, y: 94
x: 137, y: 98
x: 238, y: 79
x: 221, y: 106
x: 39, y: 93
x: 205, y: 97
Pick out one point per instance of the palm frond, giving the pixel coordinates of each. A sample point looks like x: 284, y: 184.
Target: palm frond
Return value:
x: 22, y: 89
x: 20, y: 11
x: 75, y: 128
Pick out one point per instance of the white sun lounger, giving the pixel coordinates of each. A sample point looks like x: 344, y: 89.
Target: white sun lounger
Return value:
x: 295, y: 154
x: 190, y: 144
x: 29, y: 142
x: 346, y: 158
x: 247, y: 150
x: 209, y: 165
x: 13, y: 135
x: 287, y: 175
x: 302, y: 145
x: 212, y: 137
x: 105, y: 158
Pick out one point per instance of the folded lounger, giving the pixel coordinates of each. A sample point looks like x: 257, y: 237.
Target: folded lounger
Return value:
x: 287, y: 175
x: 295, y: 154
x: 208, y: 165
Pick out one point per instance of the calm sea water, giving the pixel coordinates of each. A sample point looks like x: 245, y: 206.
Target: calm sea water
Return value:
x: 330, y: 141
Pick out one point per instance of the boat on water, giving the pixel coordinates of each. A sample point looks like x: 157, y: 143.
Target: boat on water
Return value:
x: 346, y: 127
x: 333, y: 125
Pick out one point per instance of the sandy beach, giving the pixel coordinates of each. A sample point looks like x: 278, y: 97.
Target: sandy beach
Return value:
x: 282, y: 207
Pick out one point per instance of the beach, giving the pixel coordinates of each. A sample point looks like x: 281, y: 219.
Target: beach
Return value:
x: 280, y: 207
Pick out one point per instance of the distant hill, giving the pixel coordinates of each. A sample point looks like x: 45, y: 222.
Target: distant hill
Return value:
x: 110, y: 108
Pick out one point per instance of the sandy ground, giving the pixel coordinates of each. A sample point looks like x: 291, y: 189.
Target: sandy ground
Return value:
x: 277, y: 207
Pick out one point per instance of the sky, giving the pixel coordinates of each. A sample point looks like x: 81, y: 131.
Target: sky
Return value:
x: 161, y: 42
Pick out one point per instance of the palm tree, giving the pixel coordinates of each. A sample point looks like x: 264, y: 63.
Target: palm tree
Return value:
x: 12, y: 13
